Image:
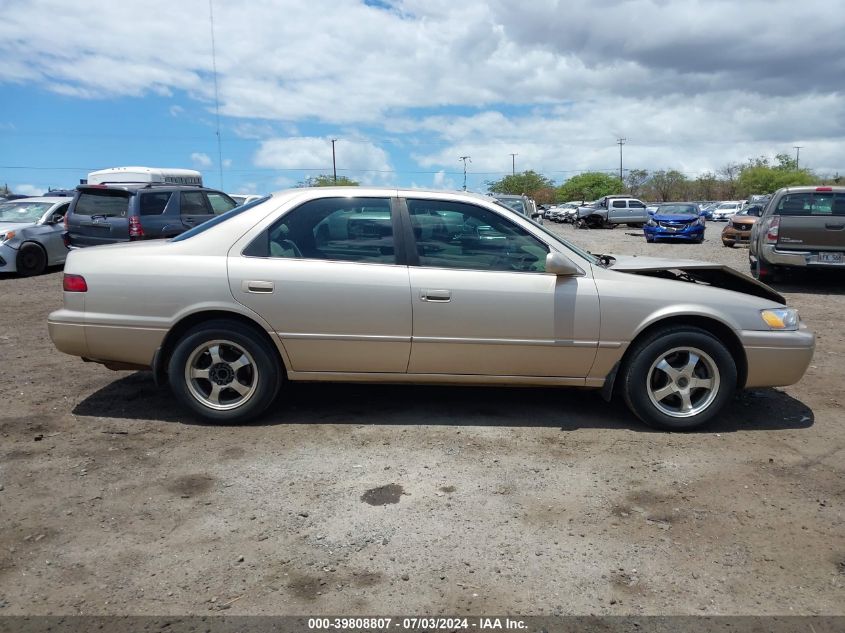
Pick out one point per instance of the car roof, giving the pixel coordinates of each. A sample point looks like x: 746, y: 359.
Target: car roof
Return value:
x: 50, y: 199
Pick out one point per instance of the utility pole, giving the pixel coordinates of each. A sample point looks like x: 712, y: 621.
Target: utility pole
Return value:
x: 465, y: 159
x: 216, y: 93
x: 513, y: 164
x: 797, y: 149
x: 334, y: 163
x: 620, y: 142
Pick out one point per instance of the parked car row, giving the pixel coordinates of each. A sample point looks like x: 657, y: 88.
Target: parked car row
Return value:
x: 115, y: 205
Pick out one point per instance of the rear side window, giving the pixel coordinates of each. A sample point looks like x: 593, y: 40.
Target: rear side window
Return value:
x: 635, y: 204
x: 202, y: 228
x: 106, y: 202
x: 811, y: 203
x: 154, y: 203
x: 337, y: 229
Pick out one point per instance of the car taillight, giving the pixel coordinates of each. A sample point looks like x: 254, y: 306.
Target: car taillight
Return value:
x: 74, y: 283
x: 67, y: 226
x: 772, y: 232
x: 824, y: 188
x: 136, y: 231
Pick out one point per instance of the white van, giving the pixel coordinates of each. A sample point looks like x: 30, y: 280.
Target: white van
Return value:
x: 145, y: 174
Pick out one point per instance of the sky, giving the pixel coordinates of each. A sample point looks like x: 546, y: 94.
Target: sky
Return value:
x: 409, y: 86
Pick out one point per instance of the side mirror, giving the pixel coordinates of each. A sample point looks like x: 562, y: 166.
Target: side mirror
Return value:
x: 57, y: 218
x: 561, y: 265
x: 534, y: 216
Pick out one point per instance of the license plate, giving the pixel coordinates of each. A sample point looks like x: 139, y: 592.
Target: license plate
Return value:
x: 830, y: 258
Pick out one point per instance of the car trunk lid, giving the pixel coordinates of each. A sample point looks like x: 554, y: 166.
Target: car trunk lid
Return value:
x: 812, y: 221
x: 99, y: 216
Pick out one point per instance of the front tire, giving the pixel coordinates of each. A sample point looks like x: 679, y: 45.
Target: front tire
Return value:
x: 225, y: 372
x: 31, y: 260
x: 678, y: 378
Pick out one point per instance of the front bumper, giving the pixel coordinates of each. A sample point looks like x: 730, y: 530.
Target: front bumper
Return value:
x: 8, y: 259
x: 659, y: 232
x: 731, y: 235
x: 798, y: 259
x: 777, y: 359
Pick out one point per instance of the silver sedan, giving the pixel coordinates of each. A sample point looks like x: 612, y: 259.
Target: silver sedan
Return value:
x: 374, y: 285
x: 31, y: 234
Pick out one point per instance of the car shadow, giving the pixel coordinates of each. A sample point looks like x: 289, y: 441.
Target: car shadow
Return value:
x: 814, y: 282
x: 136, y: 397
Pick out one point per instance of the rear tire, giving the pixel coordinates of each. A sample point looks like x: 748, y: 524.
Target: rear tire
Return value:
x: 763, y: 272
x: 225, y: 372
x: 678, y: 378
x: 31, y: 260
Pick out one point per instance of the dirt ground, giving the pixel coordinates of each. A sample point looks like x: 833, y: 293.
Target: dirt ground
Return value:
x: 524, y: 501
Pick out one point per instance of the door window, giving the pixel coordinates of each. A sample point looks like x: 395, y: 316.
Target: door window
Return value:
x: 193, y: 203
x: 618, y: 204
x: 339, y: 229
x: 220, y: 203
x: 154, y: 203
x: 458, y: 235
x: 635, y: 204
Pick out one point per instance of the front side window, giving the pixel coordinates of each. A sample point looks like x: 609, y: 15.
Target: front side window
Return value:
x: 459, y: 235
x: 618, y: 204
x: 338, y: 229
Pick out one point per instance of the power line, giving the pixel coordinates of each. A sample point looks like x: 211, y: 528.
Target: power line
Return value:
x: 216, y: 93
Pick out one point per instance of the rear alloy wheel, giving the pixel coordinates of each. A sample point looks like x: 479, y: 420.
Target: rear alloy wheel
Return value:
x: 678, y: 378
x: 31, y: 260
x: 224, y: 372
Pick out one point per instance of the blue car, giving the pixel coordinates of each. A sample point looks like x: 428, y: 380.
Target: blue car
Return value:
x: 675, y: 222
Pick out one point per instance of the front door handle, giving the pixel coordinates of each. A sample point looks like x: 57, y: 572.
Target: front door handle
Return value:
x: 834, y: 227
x: 436, y: 296
x: 260, y: 287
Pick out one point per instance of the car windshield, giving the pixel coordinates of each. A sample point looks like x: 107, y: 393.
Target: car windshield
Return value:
x: 219, y: 219
x: 23, y: 211
x: 727, y: 205
x: 678, y: 208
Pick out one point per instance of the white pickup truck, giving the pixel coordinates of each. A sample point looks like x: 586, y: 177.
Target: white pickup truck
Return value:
x: 611, y: 210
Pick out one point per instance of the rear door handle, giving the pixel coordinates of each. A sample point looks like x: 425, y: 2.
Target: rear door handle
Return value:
x: 436, y: 296
x: 260, y: 287
x: 834, y: 227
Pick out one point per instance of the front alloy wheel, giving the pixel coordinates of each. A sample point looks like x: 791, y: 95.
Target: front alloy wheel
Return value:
x: 678, y: 377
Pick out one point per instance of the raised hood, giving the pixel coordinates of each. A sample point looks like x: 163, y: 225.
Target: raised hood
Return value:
x: 706, y: 273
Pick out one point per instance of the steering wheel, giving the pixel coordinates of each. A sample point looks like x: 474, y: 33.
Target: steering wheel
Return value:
x: 289, y: 245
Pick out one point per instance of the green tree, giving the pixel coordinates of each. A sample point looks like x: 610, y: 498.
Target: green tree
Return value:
x: 668, y: 185
x: 529, y: 183
x: 634, y: 180
x: 326, y: 180
x: 758, y: 175
x: 706, y: 186
x: 590, y: 185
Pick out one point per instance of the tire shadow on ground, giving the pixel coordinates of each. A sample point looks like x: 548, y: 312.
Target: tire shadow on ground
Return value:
x: 135, y: 397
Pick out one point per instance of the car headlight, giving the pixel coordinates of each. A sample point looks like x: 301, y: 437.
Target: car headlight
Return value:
x: 5, y: 237
x: 781, y: 318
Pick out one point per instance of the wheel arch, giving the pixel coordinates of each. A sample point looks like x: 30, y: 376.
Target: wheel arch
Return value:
x: 720, y: 330
x: 189, y: 321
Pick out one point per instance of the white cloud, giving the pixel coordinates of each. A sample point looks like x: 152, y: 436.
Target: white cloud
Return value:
x: 690, y: 84
x: 227, y: 162
x: 201, y: 160
x: 176, y: 110
x: 29, y: 190
x: 357, y: 157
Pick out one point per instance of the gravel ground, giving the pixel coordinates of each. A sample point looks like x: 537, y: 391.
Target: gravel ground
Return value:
x: 383, y: 499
